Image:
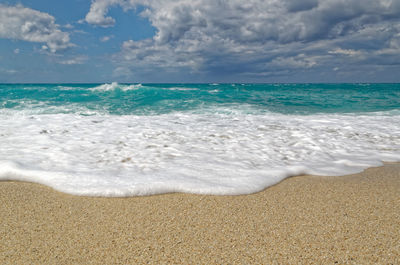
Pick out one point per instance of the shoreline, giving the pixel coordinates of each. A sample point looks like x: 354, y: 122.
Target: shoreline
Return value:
x: 351, y: 219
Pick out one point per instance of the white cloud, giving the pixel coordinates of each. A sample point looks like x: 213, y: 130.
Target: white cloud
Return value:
x: 252, y: 36
x: 11, y: 71
x: 81, y: 59
x: 22, y: 23
x: 253, y: 20
x: 106, y: 38
x: 98, y: 11
x: 68, y: 26
x: 8, y: 71
x: 16, y: 51
x: 299, y: 61
x: 348, y: 52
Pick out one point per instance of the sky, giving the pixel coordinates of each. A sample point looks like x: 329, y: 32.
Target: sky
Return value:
x: 195, y: 41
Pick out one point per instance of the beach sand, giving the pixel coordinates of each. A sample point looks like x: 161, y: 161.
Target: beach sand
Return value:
x: 352, y: 219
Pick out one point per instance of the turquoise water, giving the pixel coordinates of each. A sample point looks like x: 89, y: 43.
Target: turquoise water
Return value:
x: 123, y: 99
x: 222, y: 139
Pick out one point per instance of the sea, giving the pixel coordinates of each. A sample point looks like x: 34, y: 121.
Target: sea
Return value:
x: 118, y: 140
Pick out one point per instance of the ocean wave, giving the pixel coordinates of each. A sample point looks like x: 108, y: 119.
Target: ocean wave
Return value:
x: 116, y: 86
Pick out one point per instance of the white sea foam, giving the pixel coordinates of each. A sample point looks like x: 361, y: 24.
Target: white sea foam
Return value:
x: 181, y: 88
x: 114, y: 85
x: 106, y: 87
x: 214, y: 153
x: 31, y: 107
x: 132, y: 87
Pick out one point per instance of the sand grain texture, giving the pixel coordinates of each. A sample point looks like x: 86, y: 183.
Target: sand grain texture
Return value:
x: 352, y: 219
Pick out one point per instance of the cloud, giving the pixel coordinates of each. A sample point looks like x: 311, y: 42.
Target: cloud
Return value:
x: 11, y: 71
x: 299, y: 61
x: 81, y: 59
x: 106, y: 38
x: 22, y: 23
x: 300, y: 5
x: 255, y: 36
x: 68, y: 26
x: 98, y: 10
x: 348, y: 52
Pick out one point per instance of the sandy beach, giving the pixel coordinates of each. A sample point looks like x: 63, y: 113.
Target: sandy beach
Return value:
x: 352, y: 219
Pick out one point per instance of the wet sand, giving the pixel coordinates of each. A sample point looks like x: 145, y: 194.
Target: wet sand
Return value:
x: 352, y: 219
